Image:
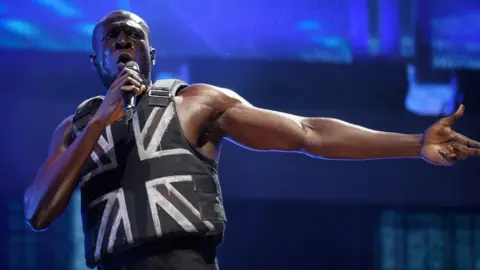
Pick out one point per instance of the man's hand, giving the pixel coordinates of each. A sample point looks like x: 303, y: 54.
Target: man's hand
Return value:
x: 111, y: 109
x: 443, y: 146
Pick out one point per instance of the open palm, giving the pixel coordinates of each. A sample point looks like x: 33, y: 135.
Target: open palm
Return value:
x: 441, y: 145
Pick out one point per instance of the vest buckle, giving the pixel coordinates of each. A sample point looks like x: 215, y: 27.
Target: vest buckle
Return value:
x: 159, y: 97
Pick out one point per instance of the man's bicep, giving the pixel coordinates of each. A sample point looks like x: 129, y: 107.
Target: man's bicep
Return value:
x: 262, y: 129
x: 255, y: 128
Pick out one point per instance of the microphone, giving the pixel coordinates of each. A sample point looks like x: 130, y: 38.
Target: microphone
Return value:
x: 129, y: 98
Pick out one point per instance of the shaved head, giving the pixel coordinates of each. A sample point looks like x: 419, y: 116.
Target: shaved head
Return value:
x: 120, y: 15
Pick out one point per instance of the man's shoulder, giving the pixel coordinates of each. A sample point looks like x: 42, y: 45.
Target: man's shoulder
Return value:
x: 67, y: 121
x: 208, y: 90
x: 219, y: 98
x: 65, y: 126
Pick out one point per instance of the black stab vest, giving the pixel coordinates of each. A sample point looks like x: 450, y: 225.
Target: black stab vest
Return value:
x: 144, y: 182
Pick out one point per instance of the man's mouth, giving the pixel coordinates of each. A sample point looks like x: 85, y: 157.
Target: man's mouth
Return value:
x: 124, y: 57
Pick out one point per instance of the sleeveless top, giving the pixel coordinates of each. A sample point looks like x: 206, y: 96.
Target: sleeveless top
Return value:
x: 144, y: 181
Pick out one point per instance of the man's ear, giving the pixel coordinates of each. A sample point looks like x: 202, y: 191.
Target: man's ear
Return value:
x: 152, y: 55
x: 93, y: 61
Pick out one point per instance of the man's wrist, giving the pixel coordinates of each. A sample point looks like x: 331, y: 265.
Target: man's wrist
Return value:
x: 417, y: 143
x: 97, y: 122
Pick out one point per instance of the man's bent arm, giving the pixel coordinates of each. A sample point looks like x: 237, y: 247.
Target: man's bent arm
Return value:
x: 50, y: 192
x: 261, y: 129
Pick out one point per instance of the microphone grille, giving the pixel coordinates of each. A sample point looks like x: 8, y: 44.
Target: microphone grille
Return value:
x: 132, y: 65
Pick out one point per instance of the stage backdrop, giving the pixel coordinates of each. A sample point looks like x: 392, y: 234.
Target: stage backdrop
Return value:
x: 320, y: 31
x: 286, y: 211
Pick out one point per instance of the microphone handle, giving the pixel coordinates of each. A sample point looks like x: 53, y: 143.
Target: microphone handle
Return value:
x: 128, y: 106
x: 129, y: 99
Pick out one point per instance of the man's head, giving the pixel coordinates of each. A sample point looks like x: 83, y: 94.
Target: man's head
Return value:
x: 119, y: 37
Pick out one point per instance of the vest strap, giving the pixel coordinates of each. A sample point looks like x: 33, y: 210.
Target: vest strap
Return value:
x: 84, y: 112
x: 162, y: 91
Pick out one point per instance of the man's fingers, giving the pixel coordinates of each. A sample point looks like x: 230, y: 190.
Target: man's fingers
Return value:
x: 130, y: 88
x: 449, y: 158
x: 127, y: 78
x: 121, y: 80
x: 450, y: 120
x: 134, y: 88
x: 134, y: 75
x: 459, y: 112
x: 131, y: 73
x: 134, y: 82
x: 142, y: 89
x: 467, y: 141
x: 463, y: 152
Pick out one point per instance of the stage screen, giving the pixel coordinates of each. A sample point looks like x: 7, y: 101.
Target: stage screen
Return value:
x: 329, y: 31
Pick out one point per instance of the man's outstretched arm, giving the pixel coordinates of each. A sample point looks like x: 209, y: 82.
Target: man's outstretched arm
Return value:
x: 329, y: 138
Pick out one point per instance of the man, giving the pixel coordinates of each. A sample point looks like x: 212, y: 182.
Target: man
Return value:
x: 150, y: 193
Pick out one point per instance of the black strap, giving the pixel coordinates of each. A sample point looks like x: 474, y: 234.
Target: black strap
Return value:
x: 162, y: 91
x: 84, y: 112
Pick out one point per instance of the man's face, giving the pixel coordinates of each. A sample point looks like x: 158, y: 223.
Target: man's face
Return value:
x: 119, y: 40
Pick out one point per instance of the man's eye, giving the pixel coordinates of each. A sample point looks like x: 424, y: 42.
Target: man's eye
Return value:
x: 107, y: 36
x: 137, y: 35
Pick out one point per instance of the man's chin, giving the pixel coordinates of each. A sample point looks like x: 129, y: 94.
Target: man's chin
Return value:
x: 120, y: 66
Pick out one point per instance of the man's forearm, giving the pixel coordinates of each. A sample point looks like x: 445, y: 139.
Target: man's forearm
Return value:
x: 54, y: 184
x: 334, y: 139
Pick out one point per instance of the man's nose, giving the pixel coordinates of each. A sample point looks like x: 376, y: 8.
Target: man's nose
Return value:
x: 123, y: 42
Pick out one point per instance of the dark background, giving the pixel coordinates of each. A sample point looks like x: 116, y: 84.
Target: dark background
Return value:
x: 285, y: 211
